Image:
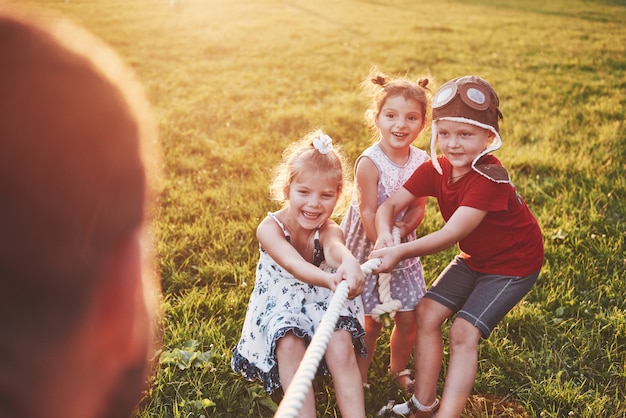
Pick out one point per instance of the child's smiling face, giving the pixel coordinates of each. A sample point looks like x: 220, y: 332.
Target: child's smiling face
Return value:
x: 462, y: 142
x: 312, y: 198
x: 400, y: 121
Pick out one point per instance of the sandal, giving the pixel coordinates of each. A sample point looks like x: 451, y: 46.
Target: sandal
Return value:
x: 410, y: 387
x: 387, y: 410
x: 416, y: 410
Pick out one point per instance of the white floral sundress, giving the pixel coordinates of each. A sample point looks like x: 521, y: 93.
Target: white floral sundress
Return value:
x: 280, y: 303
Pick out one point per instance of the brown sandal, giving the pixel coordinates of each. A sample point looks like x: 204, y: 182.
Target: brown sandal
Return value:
x: 410, y: 386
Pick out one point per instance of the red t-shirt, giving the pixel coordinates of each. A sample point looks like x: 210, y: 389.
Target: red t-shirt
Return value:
x: 508, y: 241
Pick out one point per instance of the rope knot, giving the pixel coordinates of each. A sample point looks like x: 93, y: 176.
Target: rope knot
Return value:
x: 386, y: 310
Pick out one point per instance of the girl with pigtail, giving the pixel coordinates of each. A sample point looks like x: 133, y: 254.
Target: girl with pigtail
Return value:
x: 302, y: 260
x: 396, y: 117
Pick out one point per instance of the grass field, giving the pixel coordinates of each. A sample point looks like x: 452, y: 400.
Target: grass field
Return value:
x: 234, y: 81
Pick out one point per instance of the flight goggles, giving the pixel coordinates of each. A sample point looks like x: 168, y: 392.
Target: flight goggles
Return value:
x: 468, y: 97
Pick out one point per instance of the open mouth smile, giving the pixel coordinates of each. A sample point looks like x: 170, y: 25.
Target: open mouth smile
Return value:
x: 310, y: 215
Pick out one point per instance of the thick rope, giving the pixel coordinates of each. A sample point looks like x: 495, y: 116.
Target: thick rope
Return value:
x: 299, y: 386
x: 386, y: 310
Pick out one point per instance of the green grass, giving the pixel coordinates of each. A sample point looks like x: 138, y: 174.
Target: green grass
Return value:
x: 234, y: 81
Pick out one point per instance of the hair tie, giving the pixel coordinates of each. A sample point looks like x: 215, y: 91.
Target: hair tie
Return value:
x: 380, y: 80
x: 324, y: 144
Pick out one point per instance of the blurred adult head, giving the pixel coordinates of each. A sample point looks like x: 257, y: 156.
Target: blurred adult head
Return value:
x: 78, y: 295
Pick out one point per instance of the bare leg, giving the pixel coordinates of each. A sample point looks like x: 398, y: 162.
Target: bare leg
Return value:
x: 341, y: 361
x: 402, y: 344
x: 428, y: 349
x: 289, y: 353
x: 372, y: 331
x: 462, y: 369
x: 430, y: 317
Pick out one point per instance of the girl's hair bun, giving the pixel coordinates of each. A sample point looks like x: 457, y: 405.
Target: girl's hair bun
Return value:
x: 380, y: 80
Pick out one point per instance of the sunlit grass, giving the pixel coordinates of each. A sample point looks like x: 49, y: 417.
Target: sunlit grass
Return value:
x: 234, y: 81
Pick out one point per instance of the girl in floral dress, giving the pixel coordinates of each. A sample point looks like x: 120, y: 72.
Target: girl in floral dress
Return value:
x: 302, y: 260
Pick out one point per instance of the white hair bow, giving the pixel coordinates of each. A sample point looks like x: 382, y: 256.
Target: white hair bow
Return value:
x: 323, y: 144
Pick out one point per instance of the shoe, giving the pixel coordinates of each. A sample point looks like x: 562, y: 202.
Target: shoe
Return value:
x: 414, y: 410
x: 387, y: 411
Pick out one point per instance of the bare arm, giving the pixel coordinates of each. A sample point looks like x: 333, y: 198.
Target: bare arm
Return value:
x: 387, y: 213
x: 463, y: 221
x: 338, y: 256
x: 272, y: 239
x: 413, y: 217
x: 366, y: 182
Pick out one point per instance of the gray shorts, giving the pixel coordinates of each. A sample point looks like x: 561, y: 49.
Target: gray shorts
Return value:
x: 480, y: 298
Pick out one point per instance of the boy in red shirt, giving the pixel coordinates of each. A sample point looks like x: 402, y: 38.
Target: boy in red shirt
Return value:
x: 500, y: 242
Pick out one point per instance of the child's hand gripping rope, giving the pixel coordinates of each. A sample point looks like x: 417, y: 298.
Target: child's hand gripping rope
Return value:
x: 386, y: 310
x: 296, y: 392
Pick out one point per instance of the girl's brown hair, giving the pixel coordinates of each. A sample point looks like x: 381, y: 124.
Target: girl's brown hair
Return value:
x: 380, y: 86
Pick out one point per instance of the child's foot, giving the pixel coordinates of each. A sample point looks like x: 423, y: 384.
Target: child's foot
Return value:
x: 411, y: 408
x: 403, y: 379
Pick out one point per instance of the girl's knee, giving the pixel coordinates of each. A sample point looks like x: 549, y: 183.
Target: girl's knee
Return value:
x: 290, y: 344
x: 340, y: 348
